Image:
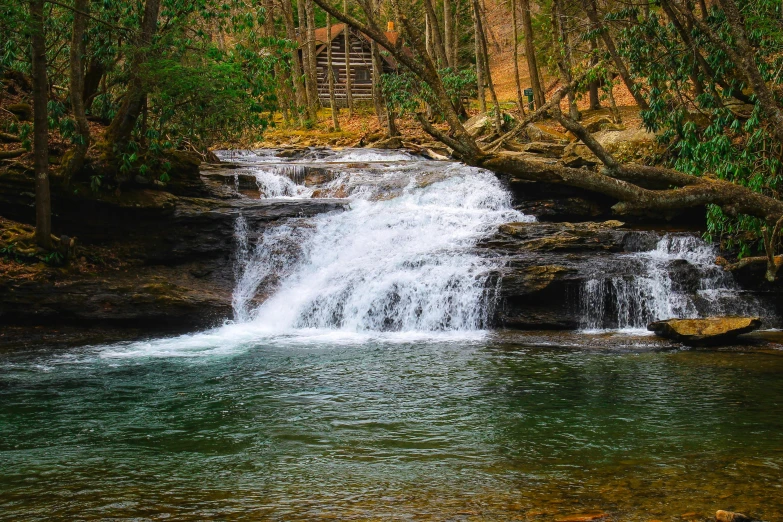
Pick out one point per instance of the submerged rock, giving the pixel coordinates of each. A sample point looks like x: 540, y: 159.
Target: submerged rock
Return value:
x: 730, y: 516
x: 713, y: 330
x: 583, y: 517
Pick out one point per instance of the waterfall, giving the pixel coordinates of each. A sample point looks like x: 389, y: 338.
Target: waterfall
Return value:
x: 678, y: 278
x: 396, y: 263
x: 280, y: 181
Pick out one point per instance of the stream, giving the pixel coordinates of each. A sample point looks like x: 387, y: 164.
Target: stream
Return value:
x: 364, y: 377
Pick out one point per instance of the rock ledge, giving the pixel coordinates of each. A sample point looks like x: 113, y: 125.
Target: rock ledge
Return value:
x: 712, y: 330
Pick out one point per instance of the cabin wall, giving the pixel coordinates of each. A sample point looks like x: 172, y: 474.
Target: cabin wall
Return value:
x: 361, y: 70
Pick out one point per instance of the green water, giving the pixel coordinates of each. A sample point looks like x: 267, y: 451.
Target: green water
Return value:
x: 508, y: 427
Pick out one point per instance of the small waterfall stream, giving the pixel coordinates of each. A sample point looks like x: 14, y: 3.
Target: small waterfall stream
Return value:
x: 400, y: 259
x: 678, y: 278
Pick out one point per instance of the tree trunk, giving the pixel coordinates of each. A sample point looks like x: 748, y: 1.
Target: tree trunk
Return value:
x: 312, y: 72
x: 119, y: 132
x: 92, y: 81
x: 595, y: 101
x: 300, y: 93
x: 530, y: 55
x: 520, y: 99
x: 281, y: 78
x: 43, y: 202
x: 78, y: 50
x: 348, y: 79
x: 437, y: 40
x: 609, y: 85
x: 485, y: 62
x: 448, y: 31
x: 563, y: 52
x: 592, y: 14
x: 480, y: 83
x: 330, y: 73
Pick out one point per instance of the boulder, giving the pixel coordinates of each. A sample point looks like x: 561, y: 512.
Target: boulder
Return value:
x: 730, y: 516
x: 478, y: 125
x: 596, y: 124
x: 540, y: 132
x: 577, y: 155
x: 624, y: 145
x: 712, y: 330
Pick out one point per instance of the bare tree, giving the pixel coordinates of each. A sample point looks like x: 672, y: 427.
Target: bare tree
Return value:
x: 517, y: 80
x: 312, y: 72
x: 563, y: 52
x: 484, y: 55
x: 43, y: 199
x: 480, y: 81
x: 78, y: 50
x: 300, y: 92
x: 119, y: 132
x: 530, y: 55
x: 348, y: 79
x: 330, y: 72
x: 449, y: 37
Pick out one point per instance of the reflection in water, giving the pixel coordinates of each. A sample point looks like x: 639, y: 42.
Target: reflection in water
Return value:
x: 493, y: 427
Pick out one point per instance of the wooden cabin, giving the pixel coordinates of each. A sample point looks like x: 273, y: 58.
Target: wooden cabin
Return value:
x: 360, y: 63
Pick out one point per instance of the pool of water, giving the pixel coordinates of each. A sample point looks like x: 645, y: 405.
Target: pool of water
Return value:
x: 485, y: 427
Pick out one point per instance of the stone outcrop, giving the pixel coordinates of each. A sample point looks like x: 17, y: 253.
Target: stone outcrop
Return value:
x: 712, y: 330
x: 543, y: 269
x: 178, y: 253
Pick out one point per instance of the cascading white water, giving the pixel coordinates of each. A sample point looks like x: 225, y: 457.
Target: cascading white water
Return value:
x: 281, y: 181
x: 678, y: 278
x: 399, y: 264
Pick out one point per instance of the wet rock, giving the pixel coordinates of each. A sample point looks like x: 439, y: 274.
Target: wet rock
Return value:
x: 291, y: 152
x: 548, y: 149
x: 180, y: 255
x: 541, y: 132
x: 115, y: 299
x: 564, y: 208
x: 730, y: 516
x: 713, y: 330
x: 542, y: 269
x: 583, y: 517
x: 395, y: 142
x: 561, y: 236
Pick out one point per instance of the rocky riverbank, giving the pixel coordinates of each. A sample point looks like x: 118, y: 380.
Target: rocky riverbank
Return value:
x: 162, y: 257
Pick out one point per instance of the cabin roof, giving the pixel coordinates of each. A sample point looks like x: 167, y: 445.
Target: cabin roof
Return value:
x: 337, y: 30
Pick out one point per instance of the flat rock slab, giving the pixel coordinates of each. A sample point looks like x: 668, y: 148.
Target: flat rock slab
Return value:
x: 712, y: 330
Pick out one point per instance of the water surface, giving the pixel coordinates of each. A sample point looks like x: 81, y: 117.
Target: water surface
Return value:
x: 487, y: 427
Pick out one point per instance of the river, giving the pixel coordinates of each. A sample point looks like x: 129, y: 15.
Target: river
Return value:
x: 366, y: 384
